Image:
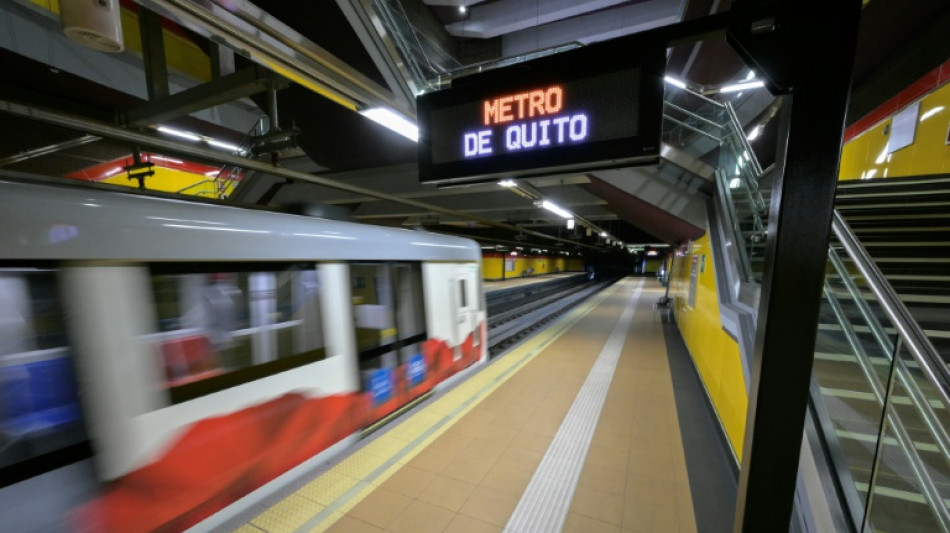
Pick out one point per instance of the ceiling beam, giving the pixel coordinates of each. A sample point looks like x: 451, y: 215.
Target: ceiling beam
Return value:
x: 243, y: 83
x: 507, y: 16
x: 203, y: 154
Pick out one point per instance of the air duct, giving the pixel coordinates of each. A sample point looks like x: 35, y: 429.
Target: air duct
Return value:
x: 93, y: 23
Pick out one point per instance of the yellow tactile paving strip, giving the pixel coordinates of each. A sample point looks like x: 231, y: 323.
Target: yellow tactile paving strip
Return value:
x: 329, y: 498
x: 634, y: 478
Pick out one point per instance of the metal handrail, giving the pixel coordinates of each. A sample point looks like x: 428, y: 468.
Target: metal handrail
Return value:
x: 694, y: 129
x: 910, y: 385
x: 756, y: 166
x: 922, y: 350
x: 745, y: 261
x: 894, y: 422
x: 667, y: 103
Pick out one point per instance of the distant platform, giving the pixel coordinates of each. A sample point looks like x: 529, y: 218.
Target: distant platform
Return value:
x: 491, y: 286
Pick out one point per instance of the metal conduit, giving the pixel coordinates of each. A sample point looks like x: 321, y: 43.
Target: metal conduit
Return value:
x: 294, y: 53
x: 205, y: 154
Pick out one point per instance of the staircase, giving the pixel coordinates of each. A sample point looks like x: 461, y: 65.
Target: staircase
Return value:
x: 880, y: 385
x: 904, y: 223
x: 885, y: 417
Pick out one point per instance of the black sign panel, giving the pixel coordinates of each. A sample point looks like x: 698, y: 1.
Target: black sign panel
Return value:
x: 598, y: 106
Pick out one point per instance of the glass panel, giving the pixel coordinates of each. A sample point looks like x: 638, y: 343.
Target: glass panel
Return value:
x: 896, y: 479
x: 851, y: 373
x: 913, y: 472
x: 373, y: 310
x: 224, y: 320
x: 39, y: 403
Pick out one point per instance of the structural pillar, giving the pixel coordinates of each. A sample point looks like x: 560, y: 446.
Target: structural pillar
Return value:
x: 813, y: 50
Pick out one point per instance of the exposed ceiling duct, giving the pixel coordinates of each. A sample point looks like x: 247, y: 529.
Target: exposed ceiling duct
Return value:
x: 93, y: 23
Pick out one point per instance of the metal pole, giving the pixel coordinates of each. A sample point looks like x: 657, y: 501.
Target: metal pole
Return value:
x: 153, y: 54
x: 817, y: 53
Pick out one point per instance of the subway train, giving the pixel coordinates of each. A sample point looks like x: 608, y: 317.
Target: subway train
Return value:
x: 204, y: 350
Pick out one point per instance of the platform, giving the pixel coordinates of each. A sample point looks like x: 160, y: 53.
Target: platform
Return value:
x: 491, y: 286
x: 576, y: 429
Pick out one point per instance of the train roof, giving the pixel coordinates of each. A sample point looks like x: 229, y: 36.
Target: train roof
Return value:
x: 43, y: 222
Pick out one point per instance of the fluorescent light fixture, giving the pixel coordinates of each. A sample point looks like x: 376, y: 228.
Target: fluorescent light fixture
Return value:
x: 734, y: 184
x: 931, y: 113
x: 674, y: 82
x: 507, y: 183
x: 462, y: 9
x: 570, y: 223
x: 603, y: 234
x: 754, y: 134
x: 736, y: 87
x: 391, y: 120
x: 167, y: 159
x: 514, y: 253
x: 556, y: 209
x: 178, y: 133
x: 226, y: 146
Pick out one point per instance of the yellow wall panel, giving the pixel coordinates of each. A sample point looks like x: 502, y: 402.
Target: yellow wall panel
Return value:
x: 866, y: 155
x: 714, y: 352
x: 181, y: 54
x: 575, y: 265
x: 171, y: 180
x: 492, y: 267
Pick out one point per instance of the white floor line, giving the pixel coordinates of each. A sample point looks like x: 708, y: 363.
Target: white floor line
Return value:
x: 546, y: 500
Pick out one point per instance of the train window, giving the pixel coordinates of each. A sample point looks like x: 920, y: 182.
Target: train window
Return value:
x: 463, y: 299
x: 224, y: 324
x: 39, y: 404
x: 389, y: 314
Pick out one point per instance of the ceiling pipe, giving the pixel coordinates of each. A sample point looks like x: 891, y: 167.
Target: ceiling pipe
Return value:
x: 102, y: 129
x: 275, y: 45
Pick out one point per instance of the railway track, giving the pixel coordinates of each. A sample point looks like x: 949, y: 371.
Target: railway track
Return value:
x: 533, y: 308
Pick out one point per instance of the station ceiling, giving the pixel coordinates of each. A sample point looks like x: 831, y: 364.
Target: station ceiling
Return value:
x: 899, y: 42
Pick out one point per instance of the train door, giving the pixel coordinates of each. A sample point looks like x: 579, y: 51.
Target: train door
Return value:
x: 40, y: 416
x: 464, y: 301
x: 389, y: 316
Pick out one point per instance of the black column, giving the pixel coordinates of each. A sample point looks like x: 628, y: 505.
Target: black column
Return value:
x: 153, y: 54
x: 817, y: 40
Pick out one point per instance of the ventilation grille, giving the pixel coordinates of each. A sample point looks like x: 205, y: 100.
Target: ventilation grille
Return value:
x: 93, y: 39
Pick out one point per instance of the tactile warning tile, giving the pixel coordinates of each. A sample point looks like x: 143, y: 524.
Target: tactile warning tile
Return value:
x: 248, y: 528
x: 319, y: 504
x: 288, y: 515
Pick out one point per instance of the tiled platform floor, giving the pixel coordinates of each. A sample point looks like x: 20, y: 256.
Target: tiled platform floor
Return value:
x: 462, y: 463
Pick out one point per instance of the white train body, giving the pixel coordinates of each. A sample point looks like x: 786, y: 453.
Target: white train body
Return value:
x: 193, y: 322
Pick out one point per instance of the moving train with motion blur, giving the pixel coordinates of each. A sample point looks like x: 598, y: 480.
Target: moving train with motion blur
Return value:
x: 202, y: 351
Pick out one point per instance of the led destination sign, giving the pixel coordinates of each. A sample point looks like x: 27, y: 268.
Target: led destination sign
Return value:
x: 534, y: 119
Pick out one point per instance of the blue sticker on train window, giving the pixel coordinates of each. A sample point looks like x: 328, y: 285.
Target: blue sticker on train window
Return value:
x: 416, y: 370
x: 381, y: 385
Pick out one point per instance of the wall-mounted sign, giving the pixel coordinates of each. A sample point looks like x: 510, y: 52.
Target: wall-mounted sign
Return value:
x: 598, y: 106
